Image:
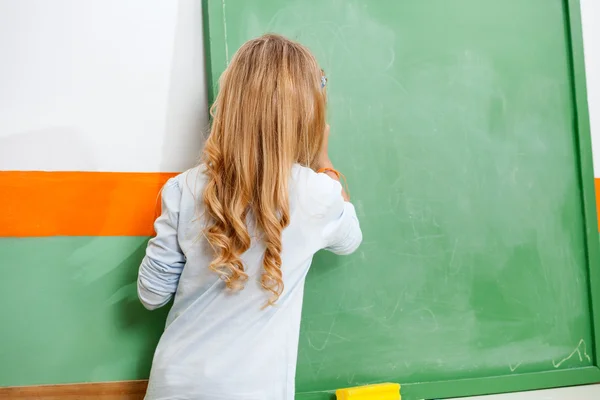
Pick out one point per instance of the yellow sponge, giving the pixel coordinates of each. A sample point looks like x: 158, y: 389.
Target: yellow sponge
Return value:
x: 383, y: 391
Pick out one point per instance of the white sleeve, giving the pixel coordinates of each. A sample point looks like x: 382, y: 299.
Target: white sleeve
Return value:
x: 336, y: 218
x: 160, y: 270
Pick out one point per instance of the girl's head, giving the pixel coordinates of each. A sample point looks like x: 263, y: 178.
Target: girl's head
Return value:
x: 269, y: 114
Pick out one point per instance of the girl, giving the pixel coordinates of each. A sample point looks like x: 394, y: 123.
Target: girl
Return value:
x: 237, y: 234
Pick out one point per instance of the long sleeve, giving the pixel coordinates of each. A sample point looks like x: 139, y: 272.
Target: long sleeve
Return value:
x: 161, y: 267
x: 342, y: 232
x: 336, y: 218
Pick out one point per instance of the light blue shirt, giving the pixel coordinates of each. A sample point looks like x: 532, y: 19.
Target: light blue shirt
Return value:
x: 219, y: 345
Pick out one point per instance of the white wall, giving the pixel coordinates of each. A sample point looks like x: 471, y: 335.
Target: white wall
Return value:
x: 113, y: 85
x: 101, y: 85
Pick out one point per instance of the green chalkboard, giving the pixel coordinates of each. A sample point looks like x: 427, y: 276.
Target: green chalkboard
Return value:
x: 462, y: 128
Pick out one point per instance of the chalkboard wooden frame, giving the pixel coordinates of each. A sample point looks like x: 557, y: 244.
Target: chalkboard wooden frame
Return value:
x: 216, y: 54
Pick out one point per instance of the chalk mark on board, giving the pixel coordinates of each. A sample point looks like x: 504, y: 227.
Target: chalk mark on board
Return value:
x: 514, y: 368
x: 397, y: 82
x: 434, y: 318
x: 365, y: 308
x: 416, y: 255
x: 392, y: 60
x: 351, y: 379
x: 412, y: 221
x: 328, y: 336
x: 427, y: 237
x: 578, y: 350
x: 394, y: 310
x: 453, y: 253
x: 310, y: 362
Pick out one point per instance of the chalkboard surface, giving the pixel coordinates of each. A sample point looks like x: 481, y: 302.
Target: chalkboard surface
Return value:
x: 453, y: 121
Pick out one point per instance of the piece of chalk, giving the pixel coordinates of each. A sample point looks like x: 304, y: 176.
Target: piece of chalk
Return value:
x: 382, y: 391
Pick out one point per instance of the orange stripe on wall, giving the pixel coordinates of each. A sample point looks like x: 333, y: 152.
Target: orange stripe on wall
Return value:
x: 38, y: 204
x: 79, y: 203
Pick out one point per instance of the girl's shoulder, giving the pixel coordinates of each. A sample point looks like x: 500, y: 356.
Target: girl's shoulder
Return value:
x: 315, y: 184
x: 190, y: 182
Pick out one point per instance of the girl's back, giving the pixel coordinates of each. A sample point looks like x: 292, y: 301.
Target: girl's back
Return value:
x: 237, y: 234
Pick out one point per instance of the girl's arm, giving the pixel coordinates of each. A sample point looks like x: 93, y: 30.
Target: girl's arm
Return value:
x: 160, y: 270
x: 341, y: 229
x: 328, y: 165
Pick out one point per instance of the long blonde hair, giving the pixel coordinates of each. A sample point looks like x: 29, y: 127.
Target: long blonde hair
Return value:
x: 269, y: 114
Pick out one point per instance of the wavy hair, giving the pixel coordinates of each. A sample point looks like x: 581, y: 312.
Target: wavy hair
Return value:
x: 268, y: 115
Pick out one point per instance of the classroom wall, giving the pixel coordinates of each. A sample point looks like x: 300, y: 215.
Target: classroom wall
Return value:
x: 107, y: 85
x: 95, y: 85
